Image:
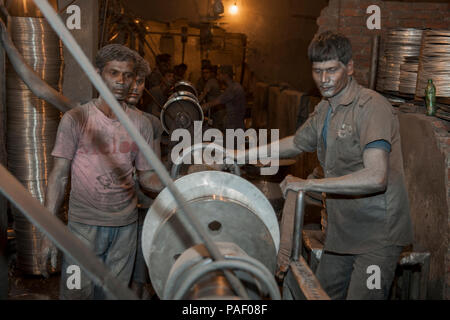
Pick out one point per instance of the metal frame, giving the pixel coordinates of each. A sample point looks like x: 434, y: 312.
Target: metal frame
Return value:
x: 299, y: 282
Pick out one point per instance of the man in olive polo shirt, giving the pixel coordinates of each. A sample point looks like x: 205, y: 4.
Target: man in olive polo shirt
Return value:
x: 356, y: 134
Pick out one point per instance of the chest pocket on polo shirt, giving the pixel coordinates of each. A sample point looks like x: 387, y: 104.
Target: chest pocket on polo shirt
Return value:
x: 348, y: 150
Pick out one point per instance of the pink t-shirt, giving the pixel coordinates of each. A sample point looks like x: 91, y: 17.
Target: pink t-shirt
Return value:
x: 103, y: 160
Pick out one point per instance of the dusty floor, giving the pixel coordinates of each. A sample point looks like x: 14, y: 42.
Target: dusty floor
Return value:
x: 27, y: 287
x: 35, y: 287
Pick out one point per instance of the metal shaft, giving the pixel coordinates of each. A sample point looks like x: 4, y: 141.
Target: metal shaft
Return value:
x: 187, y: 216
x: 298, y: 225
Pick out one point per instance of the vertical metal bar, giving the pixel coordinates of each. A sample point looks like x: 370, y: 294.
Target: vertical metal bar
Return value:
x: 424, y: 275
x: 182, y: 52
x: 374, y: 61
x: 244, y: 52
x: 298, y: 225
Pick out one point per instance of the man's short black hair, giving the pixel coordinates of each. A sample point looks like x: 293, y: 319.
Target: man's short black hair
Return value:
x: 113, y: 52
x: 181, y: 66
x: 142, y: 67
x: 330, y: 46
x: 163, y: 58
x: 180, y: 69
x: 206, y: 62
x: 207, y: 67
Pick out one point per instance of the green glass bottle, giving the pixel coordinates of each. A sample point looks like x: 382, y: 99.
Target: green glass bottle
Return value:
x: 430, y: 98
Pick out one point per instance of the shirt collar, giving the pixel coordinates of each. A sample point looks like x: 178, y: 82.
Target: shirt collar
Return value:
x: 98, y: 100
x: 346, y: 96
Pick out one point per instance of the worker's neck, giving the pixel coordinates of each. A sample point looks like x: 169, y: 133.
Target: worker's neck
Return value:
x: 106, y: 109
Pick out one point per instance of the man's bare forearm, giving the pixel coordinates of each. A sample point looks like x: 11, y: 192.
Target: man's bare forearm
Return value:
x: 286, y: 149
x: 372, y: 178
x: 362, y: 182
x: 211, y: 104
x: 54, y: 195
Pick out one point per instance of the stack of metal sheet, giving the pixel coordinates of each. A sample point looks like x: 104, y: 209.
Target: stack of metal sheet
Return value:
x: 31, y: 125
x: 434, y: 63
x: 400, y: 44
x: 408, y: 75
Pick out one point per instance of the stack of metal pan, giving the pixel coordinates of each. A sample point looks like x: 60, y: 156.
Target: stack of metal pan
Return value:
x: 400, y: 44
x: 434, y: 63
x: 381, y: 73
x: 408, y: 75
x: 31, y: 125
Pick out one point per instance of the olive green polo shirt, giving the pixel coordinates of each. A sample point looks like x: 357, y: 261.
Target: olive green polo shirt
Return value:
x: 359, y: 116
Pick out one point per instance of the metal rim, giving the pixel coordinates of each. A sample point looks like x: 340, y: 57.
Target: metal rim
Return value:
x: 187, y: 84
x: 175, y: 99
x: 220, y: 184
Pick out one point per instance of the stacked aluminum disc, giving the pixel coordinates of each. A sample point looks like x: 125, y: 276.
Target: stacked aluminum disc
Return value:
x: 400, y: 44
x: 381, y: 73
x: 434, y: 63
x: 408, y: 75
x: 32, y: 124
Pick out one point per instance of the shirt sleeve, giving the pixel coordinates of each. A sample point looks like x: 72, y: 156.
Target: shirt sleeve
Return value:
x: 379, y: 144
x: 141, y: 162
x: 305, y: 137
x: 376, y: 122
x: 67, y: 138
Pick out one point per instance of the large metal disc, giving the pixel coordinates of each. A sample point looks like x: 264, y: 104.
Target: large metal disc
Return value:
x: 180, y: 112
x: 230, y: 208
x: 184, y: 85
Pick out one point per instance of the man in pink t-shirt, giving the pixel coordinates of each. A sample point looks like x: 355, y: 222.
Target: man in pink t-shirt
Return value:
x: 96, y: 150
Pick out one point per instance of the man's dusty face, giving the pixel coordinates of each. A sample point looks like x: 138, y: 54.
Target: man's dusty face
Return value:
x: 118, y: 77
x: 206, y: 74
x: 164, y: 66
x: 136, y: 90
x: 222, y: 77
x: 169, y: 79
x: 331, y: 76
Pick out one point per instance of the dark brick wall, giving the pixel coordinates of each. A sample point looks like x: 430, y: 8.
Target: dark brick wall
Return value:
x: 349, y: 17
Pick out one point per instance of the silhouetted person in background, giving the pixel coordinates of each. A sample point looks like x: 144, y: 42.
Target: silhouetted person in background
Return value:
x: 200, y: 85
x: 180, y: 72
x: 163, y: 63
x: 160, y: 93
x: 233, y: 98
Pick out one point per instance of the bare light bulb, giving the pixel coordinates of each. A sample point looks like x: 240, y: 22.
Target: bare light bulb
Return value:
x: 234, y: 9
